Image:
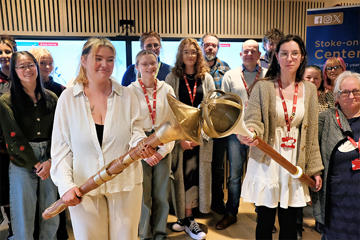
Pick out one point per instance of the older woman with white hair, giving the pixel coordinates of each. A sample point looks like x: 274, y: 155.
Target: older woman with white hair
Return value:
x: 339, y: 132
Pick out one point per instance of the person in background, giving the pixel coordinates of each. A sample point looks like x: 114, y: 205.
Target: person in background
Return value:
x: 314, y: 75
x: 7, y: 48
x: 191, y: 163
x: 148, y: 41
x: 152, y: 96
x: 97, y: 121
x: 337, y: 204
x: 331, y: 70
x: 270, y: 40
x: 210, y: 45
x: 46, y: 62
x: 27, y: 114
x: 326, y: 99
x: 239, y: 81
x: 283, y: 93
x: 46, y: 65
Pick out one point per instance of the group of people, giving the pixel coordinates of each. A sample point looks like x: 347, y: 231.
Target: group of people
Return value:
x: 52, y: 145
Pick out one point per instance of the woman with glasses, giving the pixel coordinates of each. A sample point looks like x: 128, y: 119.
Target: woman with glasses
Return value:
x: 283, y: 111
x: 46, y: 64
x: 148, y: 41
x: 339, y: 134
x: 27, y: 114
x: 152, y: 96
x: 191, y: 163
x: 331, y: 70
x: 7, y: 48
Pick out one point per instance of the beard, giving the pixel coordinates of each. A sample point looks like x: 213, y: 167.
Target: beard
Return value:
x: 210, y: 57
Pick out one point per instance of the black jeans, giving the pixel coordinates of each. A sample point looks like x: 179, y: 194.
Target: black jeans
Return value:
x: 266, y: 220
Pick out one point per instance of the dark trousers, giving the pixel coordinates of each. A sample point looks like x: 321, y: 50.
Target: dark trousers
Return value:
x: 217, y: 169
x: 266, y: 220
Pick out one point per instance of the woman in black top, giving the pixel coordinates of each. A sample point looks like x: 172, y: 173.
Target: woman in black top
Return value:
x: 27, y: 113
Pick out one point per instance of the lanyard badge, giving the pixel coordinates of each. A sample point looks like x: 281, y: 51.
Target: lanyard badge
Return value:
x: 288, y: 142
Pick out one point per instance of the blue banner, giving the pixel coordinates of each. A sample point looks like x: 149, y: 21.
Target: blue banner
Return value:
x: 334, y: 32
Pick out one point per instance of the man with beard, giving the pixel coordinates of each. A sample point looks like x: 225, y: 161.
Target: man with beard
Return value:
x: 270, y: 40
x: 239, y: 81
x: 210, y: 48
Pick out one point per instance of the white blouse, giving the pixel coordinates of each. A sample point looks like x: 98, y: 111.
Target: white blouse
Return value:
x: 163, y: 110
x: 75, y: 150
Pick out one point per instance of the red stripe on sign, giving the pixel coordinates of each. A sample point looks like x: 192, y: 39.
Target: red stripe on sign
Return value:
x: 224, y: 44
x: 52, y: 44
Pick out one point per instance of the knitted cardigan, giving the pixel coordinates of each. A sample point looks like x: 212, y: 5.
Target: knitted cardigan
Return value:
x: 261, y: 116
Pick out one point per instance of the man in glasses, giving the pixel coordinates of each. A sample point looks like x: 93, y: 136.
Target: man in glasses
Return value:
x: 210, y: 47
x: 239, y: 81
x: 148, y: 41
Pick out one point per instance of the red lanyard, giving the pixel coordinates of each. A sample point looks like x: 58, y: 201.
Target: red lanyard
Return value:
x: 287, y: 119
x: 353, y: 142
x: 193, y: 94
x: 256, y: 78
x: 153, y: 110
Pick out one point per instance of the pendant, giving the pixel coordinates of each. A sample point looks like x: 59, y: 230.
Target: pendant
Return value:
x: 288, y: 142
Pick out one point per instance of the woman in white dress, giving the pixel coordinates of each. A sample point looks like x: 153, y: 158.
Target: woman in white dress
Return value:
x: 283, y: 111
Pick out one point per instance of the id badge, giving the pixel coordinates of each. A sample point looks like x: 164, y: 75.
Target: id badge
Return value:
x: 288, y: 142
x: 355, y: 164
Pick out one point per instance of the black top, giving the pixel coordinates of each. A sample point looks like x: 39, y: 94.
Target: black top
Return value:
x: 99, y: 132
x: 54, y: 86
x: 184, y: 96
x: 343, y: 192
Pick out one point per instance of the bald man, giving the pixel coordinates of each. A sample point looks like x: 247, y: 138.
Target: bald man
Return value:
x: 240, y: 82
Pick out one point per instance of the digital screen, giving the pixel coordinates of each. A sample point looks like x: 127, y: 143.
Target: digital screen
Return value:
x: 228, y: 52
x: 67, y: 53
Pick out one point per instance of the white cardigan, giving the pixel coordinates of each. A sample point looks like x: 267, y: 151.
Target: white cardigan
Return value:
x: 75, y: 151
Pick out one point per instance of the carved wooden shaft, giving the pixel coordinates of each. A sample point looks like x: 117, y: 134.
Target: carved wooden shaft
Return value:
x: 105, y: 174
x: 283, y: 162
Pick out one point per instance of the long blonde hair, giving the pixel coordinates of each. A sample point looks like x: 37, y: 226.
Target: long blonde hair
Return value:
x: 92, y: 45
x: 200, y: 66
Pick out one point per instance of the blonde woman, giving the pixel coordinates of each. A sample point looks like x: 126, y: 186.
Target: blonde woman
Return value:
x: 46, y: 63
x: 96, y: 121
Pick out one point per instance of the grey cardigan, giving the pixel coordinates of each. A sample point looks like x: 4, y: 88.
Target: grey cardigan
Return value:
x: 205, y: 160
x: 261, y: 116
x: 330, y: 137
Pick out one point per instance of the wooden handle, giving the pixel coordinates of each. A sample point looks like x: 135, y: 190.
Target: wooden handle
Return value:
x: 107, y: 173
x: 266, y: 148
x: 54, y: 209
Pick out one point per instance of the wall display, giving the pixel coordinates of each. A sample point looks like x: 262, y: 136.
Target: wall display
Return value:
x: 334, y: 32
x: 228, y: 52
x: 66, y: 55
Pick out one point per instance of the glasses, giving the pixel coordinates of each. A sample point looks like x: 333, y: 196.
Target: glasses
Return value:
x: 152, y: 45
x: 7, y: 52
x: 148, y: 64
x: 24, y: 67
x: 206, y: 45
x: 334, y: 67
x: 346, y: 93
x: 190, y: 53
x: 293, y: 55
